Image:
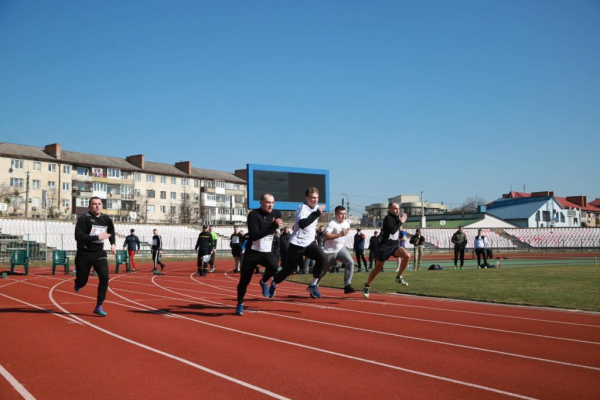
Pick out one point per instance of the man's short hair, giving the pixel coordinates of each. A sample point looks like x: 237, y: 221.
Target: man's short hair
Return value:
x: 375, y: 233
x: 264, y: 195
x: 131, y: 231
x: 95, y: 198
x: 339, y: 208
x: 311, y: 190
x: 204, y: 227
x: 391, y: 204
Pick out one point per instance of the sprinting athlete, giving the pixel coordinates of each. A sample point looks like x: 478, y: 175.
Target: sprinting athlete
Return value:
x: 335, y: 249
x: 90, y: 232
x: 389, y: 245
x: 302, y: 243
x: 262, y: 224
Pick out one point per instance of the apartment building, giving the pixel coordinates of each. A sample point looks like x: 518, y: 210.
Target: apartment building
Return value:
x: 131, y: 188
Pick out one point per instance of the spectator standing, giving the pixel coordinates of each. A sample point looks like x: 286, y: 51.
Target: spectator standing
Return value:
x: 359, y: 249
x: 418, y: 241
x: 460, y: 242
x: 132, y: 245
x: 373, y: 249
x: 481, y: 244
x: 235, y: 242
x: 156, y: 250
x: 215, y: 239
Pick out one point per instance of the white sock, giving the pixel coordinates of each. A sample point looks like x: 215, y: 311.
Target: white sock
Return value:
x: 314, y: 281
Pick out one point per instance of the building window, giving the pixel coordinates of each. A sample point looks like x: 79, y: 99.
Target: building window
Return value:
x: 35, y: 201
x: 163, y: 179
x: 113, y: 173
x: 83, y: 171
x: 66, y: 169
x: 16, y: 182
x: 150, y: 194
x: 150, y: 209
x: 150, y: 178
x: 196, y: 183
x: 82, y: 202
x: 220, y: 184
x: 231, y: 186
x: 37, y: 166
x: 66, y: 186
x: 126, y: 175
x: 185, y: 182
x: 185, y: 196
x: 163, y: 194
x: 546, y: 216
x: 99, y: 187
x: 113, y: 204
x: 163, y: 209
x: 65, y: 202
x: 16, y: 164
x: 37, y: 184
x: 137, y: 177
x: 137, y: 193
x: 52, y: 168
x: 51, y: 185
x: 173, y: 196
x: 173, y: 209
x: 209, y: 184
x: 562, y: 217
x: 173, y: 181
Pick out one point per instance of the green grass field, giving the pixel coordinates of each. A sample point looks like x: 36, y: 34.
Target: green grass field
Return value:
x: 564, y: 286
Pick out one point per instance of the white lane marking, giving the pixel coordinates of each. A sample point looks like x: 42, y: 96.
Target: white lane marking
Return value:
x: 168, y: 355
x: 316, y: 305
x: 68, y: 318
x: 16, y: 384
x: 455, y: 381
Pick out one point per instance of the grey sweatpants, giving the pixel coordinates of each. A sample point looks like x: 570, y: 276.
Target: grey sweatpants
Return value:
x: 345, y: 258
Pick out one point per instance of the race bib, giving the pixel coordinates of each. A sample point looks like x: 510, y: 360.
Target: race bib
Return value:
x: 235, y: 240
x: 263, y: 245
x: 97, y: 230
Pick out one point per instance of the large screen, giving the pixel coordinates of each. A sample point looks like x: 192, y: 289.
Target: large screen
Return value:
x: 286, y: 184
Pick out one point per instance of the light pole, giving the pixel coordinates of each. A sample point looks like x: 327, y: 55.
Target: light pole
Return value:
x: 423, y: 221
x: 347, y: 203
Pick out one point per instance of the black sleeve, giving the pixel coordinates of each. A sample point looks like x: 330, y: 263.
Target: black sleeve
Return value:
x: 125, y: 243
x: 197, y: 243
x: 254, y: 231
x: 82, y: 231
x: 137, y: 240
x: 413, y: 239
x: 387, y: 226
x: 111, y: 229
x: 303, y: 223
x: 454, y: 239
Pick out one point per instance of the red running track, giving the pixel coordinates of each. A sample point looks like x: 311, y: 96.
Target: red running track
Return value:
x: 175, y: 336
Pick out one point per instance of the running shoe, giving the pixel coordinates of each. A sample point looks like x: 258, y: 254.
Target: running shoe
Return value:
x: 134, y: 270
x: 349, y: 289
x: 401, y: 281
x: 366, y: 291
x: 264, y: 287
x: 212, y: 269
x: 239, y: 309
x: 314, y: 291
x: 77, y: 289
x: 272, y: 290
x: 98, y: 310
x: 162, y: 267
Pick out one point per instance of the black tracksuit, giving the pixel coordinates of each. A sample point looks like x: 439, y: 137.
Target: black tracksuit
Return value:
x: 156, y: 248
x: 90, y: 251
x: 260, y: 225
x: 204, y: 248
x: 372, y: 250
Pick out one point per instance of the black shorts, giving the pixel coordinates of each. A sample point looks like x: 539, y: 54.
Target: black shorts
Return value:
x: 203, y: 252
x: 384, y: 251
x: 236, y: 251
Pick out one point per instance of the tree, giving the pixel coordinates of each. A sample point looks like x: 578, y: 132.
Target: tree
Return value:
x: 187, y: 207
x: 471, y: 204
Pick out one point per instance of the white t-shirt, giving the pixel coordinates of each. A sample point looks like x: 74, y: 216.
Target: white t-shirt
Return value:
x: 304, y: 237
x: 335, y: 245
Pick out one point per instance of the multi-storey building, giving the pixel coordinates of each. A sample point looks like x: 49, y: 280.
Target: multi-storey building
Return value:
x: 130, y: 188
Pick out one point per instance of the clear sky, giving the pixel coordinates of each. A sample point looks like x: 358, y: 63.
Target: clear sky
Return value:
x: 454, y: 98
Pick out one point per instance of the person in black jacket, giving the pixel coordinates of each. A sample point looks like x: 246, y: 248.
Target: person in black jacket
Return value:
x: 359, y: 249
x: 91, y: 230
x: 205, y: 249
x: 235, y: 242
x: 262, y: 224
x: 132, y: 245
x: 418, y: 241
x: 372, y: 249
x: 389, y: 245
x: 459, y: 239
x: 156, y: 251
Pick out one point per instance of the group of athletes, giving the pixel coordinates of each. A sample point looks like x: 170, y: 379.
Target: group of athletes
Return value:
x: 263, y: 223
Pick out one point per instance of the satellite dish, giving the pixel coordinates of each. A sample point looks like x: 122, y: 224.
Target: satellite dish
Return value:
x: 442, y: 222
x: 3, y: 207
x: 133, y: 215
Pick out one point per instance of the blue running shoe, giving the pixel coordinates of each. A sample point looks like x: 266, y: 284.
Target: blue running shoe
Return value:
x: 272, y: 290
x: 239, y: 309
x: 265, y: 288
x: 98, y: 310
x: 314, y: 291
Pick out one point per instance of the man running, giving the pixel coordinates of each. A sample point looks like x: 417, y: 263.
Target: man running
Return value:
x: 235, y: 242
x: 302, y: 242
x: 262, y: 224
x: 132, y: 245
x: 389, y: 245
x: 335, y: 249
x: 204, y: 248
x: 91, y: 230
x: 156, y: 250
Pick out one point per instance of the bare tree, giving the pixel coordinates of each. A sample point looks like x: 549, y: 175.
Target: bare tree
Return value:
x: 171, y: 215
x: 471, y: 204
x: 187, y: 207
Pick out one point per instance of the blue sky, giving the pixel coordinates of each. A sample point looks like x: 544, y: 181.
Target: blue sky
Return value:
x: 453, y: 98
